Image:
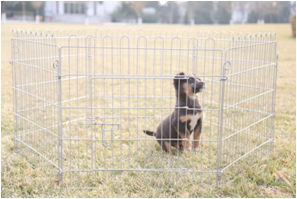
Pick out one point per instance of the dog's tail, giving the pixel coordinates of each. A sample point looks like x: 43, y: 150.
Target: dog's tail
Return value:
x: 150, y: 133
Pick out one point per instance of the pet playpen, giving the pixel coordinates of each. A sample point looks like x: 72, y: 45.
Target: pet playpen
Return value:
x: 81, y: 101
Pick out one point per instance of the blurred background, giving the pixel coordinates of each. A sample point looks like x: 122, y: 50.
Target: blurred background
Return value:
x: 138, y: 12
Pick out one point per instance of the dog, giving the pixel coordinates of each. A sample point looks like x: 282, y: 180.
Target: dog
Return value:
x: 182, y: 121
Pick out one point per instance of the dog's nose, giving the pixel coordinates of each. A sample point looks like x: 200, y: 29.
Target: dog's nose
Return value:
x: 203, y: 84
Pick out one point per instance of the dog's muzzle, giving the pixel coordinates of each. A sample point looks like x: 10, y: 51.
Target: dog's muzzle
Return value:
x: 203, y: 85
x: 199, y: 88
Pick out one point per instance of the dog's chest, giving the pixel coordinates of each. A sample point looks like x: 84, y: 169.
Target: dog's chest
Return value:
x: 194, y: 120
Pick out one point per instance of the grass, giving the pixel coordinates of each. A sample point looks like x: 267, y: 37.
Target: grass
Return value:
x: 265, y: 178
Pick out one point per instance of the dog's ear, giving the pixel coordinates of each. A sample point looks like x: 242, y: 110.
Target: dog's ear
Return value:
x: 176, y: 81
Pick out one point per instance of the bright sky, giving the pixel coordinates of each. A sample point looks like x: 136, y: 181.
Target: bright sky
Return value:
x: 162, y: 2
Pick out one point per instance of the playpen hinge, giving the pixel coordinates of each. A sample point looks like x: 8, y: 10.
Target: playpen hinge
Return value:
x: 219, y: 173
x: 59, y: 76
x: 224, y: 78
x: 59, y: 180
x: 92, y: 123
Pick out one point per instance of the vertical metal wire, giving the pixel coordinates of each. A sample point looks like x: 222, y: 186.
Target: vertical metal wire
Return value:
x: 14, y: 83
x: 265, y: 53
x: 274, y: 89
x: 60, y: 118
x: 220, y: 129
x: 243, y: 90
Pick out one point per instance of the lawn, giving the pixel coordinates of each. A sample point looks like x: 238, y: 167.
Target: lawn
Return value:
x: 274, y: 176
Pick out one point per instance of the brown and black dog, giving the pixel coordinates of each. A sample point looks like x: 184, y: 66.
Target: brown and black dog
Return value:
x: 182, y: 121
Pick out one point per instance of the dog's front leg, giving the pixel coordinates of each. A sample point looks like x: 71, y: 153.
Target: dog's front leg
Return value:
x: 197, y: 135
x: 185, y: 142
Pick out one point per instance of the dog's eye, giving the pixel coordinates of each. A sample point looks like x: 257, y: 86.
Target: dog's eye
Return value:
x: 191, y: 80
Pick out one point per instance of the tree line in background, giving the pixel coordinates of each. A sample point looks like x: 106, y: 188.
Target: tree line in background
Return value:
x: 24, y: 8
x: 203, y: 12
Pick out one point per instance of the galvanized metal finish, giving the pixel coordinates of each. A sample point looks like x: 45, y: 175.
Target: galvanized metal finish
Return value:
x: 82, y: 100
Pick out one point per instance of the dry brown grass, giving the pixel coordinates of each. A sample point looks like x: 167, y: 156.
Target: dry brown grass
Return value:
x: 19, y: 179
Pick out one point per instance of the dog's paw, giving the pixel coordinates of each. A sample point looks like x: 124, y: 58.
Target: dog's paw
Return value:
x: 196, y: 149
x: 188, y: 149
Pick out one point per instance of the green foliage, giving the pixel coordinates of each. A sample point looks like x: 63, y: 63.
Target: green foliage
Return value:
x: 253, y: 17
x: 186, y: 18
x: 125, y: 11
x: 279, y: 12
x: 173, y: 7
x: 223, y: 13
x: 169, y: 13
x: 152, y: 18
x: 272, y: 18
x: 16, y: 7
x: 284, y: 16
x: 201, y: 11
x: 271, y: 12
x: 153, y: 4
x: 149, y: 18
x: 29, y: 6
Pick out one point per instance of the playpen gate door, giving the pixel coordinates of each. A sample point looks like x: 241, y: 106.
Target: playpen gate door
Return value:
x: 106, y: 123
x: 102, y: 114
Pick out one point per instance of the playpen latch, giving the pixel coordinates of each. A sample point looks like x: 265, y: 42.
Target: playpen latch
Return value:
x: 108, y: 124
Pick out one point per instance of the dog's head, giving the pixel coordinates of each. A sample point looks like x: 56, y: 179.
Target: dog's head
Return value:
x: 188, y: 84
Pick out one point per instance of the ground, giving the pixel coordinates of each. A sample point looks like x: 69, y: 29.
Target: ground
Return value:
x: 272, y: 177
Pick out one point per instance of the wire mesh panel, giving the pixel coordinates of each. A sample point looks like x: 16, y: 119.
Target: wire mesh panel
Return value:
x: 35, y: 96
x: 82, y: 101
